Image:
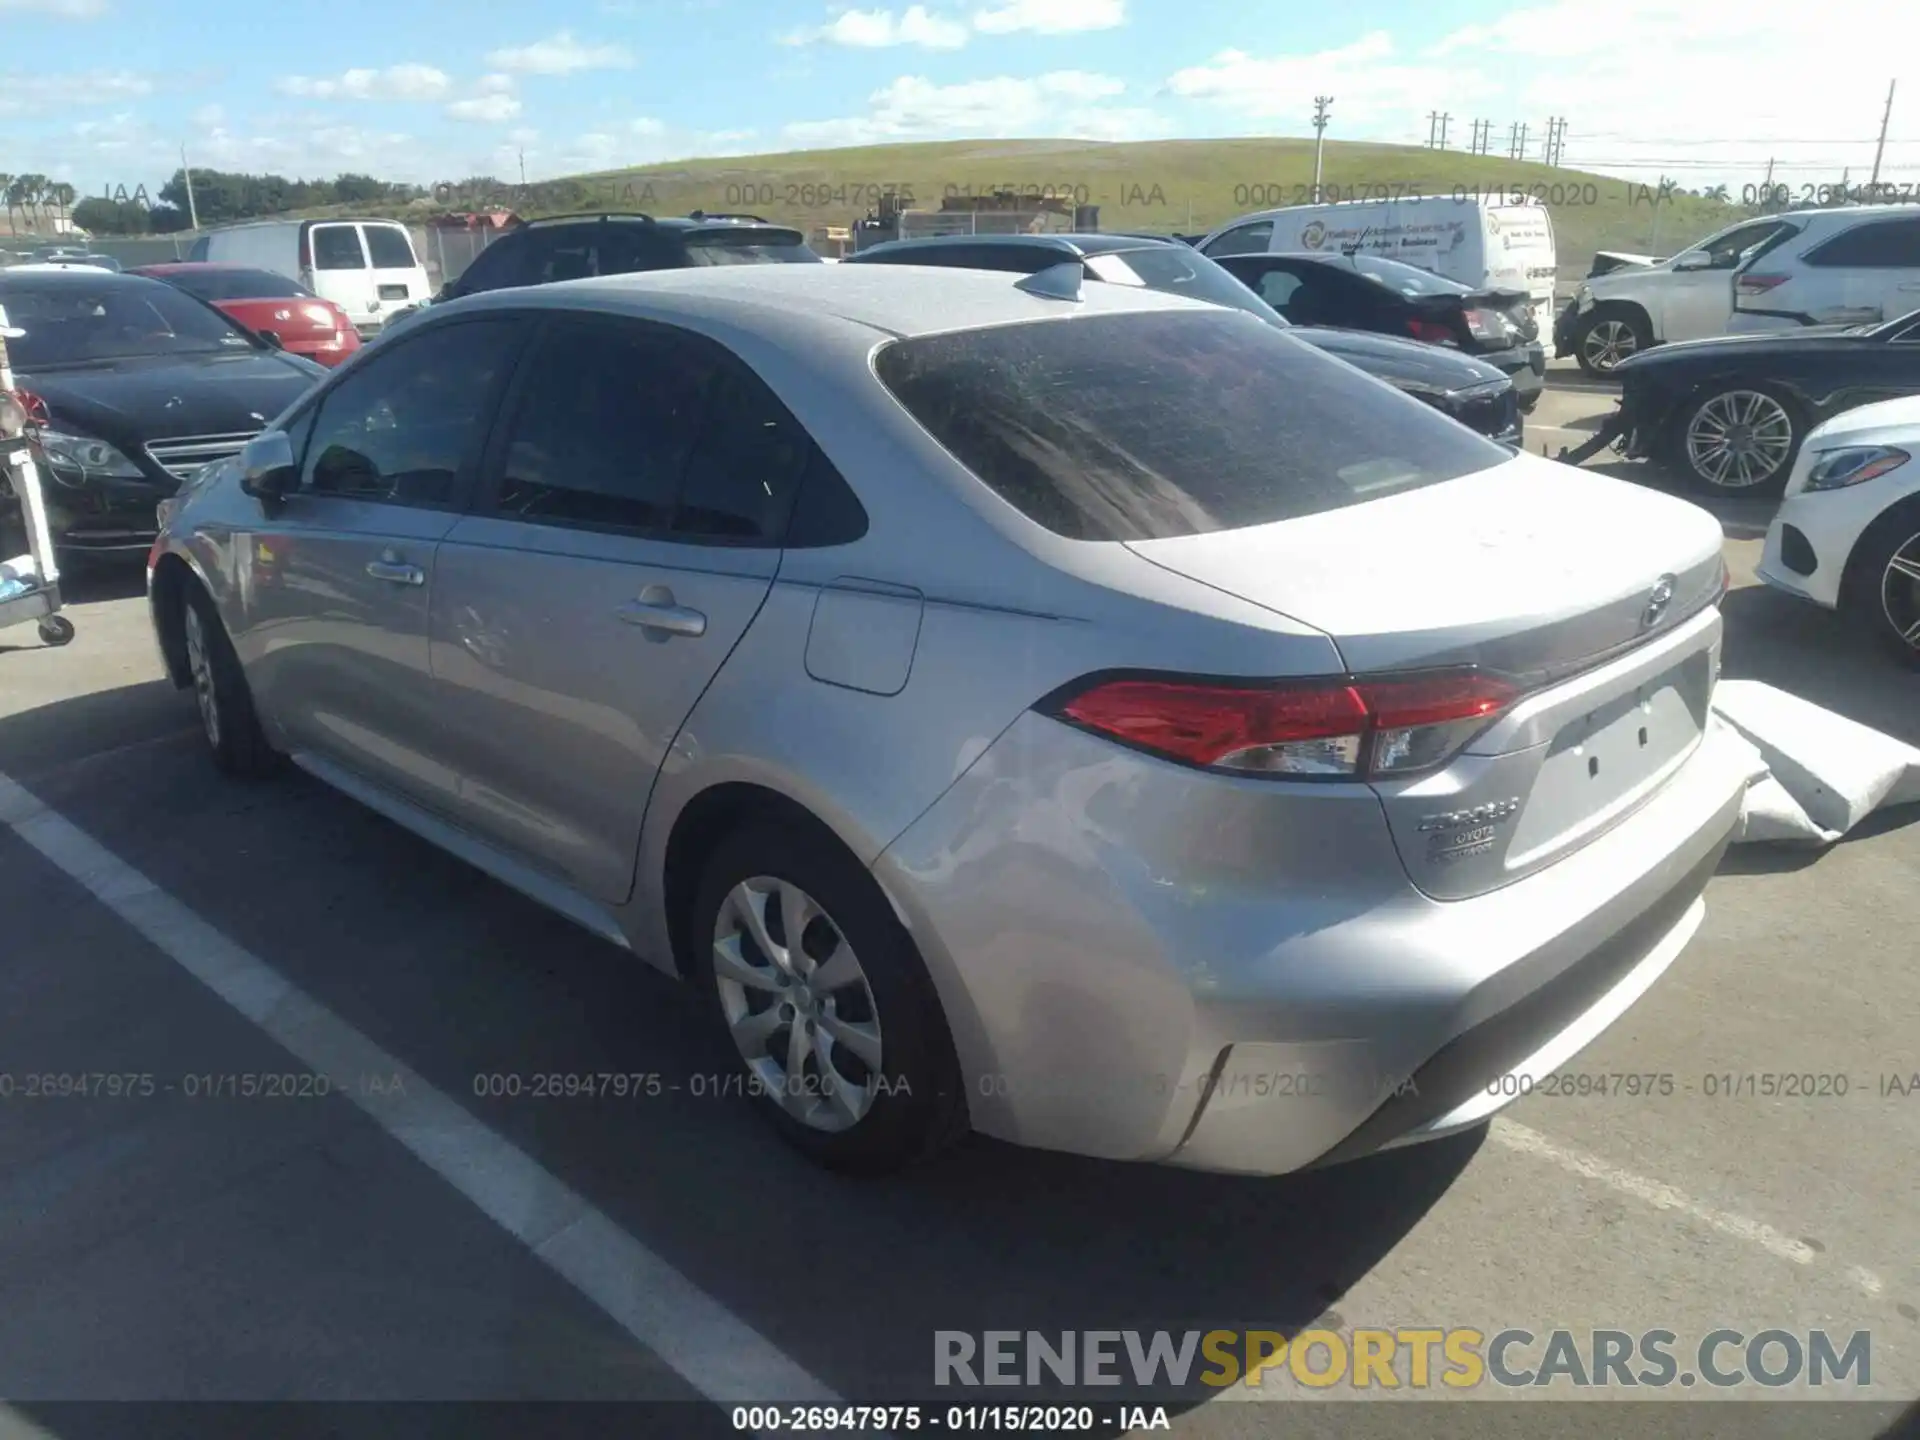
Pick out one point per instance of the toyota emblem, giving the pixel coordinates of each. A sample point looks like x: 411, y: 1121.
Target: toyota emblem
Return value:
x: 1658, y: 599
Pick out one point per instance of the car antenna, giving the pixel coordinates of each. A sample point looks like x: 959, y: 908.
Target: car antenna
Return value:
x: 1354, y: 249
x: 1056, y: 282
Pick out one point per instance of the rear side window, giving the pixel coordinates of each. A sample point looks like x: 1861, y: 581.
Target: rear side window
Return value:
x: 337, y: 247
x: 389, y: 247
x: 1149, y: 426
x: 1877, y: 245
x: 749, y: 247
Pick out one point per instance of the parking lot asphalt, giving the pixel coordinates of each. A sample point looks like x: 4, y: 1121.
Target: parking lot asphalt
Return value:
x: 406, y: 1238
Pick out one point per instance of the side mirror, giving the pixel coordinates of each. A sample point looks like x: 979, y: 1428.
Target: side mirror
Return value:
x: 272, y: 337
x: 268, y: 470
x: 1693, y: 260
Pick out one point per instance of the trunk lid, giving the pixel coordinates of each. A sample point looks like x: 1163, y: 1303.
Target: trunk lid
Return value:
x: 1540, y: 572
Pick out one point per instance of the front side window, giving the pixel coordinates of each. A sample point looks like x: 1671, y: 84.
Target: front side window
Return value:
x: 1728, y: 249
x: 337, y: 247
x: 1151, y: 425
x: 403, y: 425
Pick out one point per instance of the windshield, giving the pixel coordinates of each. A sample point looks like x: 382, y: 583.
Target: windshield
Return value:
x: 76, y: 323
x: 1408, y: 280
x: 1180, y: 271
x: 754, y: 247
x: 1167, y: 423
x: 216, y: 284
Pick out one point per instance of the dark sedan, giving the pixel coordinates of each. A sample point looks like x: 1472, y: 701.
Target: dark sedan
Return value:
x: 1730, y: 412
x: 1469, y: 390
x: 134, y: 386
x: 1365, y: 292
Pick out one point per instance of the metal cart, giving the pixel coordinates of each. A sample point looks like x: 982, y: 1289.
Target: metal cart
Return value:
x: 29, y: 583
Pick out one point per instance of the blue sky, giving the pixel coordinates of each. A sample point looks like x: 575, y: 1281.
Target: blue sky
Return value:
x: 407, y: 89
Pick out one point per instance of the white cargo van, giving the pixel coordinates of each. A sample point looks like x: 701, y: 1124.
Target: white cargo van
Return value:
x: 366, y: 267
x: 1482, y: 242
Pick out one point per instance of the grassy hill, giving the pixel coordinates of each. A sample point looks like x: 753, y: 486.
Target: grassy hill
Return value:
x: 1185, y: 185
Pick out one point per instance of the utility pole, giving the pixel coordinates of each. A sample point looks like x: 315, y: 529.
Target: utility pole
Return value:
x: 523, y: 169
x: 1885, y: 115
x: 1320, y: 104
x: 193, y: 210
x: 1437, y: 130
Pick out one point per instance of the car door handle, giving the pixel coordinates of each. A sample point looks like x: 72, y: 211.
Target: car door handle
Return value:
x: 663, y: 615
x: 396, y: 572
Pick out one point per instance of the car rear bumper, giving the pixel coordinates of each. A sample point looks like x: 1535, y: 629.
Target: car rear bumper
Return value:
x: 1231, y: 981
x: 1525, y: 365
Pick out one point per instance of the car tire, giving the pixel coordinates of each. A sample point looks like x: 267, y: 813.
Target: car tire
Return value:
x: 1776, y: 428
x: 220, y: 690
x: 1879, y: 594
x: 891, y: 1058
x: 1608, y: 335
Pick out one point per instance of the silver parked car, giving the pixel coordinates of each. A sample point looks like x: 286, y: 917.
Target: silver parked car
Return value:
x: 1091, y: 717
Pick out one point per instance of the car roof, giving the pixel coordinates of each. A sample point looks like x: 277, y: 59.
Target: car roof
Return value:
x: 168, y: 267
x: 51, y: 269
x: 1070, y: 245
x: 899, y: 301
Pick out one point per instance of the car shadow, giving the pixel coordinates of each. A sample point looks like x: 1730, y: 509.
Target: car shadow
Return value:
x: 462, y: 978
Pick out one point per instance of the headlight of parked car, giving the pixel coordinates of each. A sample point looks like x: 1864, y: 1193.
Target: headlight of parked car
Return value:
x: 1854, y: 465
x: 75, y: 459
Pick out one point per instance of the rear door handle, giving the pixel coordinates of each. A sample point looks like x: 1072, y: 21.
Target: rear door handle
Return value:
x: 392, y: 568
x: 665, y: 616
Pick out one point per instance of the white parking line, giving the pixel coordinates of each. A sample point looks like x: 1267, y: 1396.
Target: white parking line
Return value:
x: 710, y: 1347
x: 1662, y: 1196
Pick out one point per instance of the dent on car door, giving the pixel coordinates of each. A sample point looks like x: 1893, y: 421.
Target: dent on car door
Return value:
x: 627, y: 535
x: 339, y: 575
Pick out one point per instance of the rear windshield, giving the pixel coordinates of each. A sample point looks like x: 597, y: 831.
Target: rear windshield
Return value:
x: 236, y: 284
x: 337, y: 247
x: 1407, y: 280
x: 751, y: 247
x: 80, y: 322
x: 1180, y: 271
x: 1148, y: 426
x: 390, y: 248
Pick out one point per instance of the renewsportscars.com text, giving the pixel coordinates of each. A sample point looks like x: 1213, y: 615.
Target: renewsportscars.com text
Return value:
x: 1403, y: 1358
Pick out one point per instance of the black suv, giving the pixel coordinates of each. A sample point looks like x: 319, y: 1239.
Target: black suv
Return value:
x: 1471, y: 391
x: 574, y: 247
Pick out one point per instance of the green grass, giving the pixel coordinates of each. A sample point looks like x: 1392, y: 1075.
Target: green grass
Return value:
x: 1184, y: 185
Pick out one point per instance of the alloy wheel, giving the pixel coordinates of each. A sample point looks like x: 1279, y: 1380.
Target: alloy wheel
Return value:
x: 797, y: 1003
x: 200, y: 668
x: 1607, y: 343
x: 1900, y: 592
x: 1739, y: 439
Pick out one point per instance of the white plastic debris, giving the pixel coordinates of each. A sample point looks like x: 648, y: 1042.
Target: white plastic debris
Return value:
x: 1815, y: 774
x: 17, y: 576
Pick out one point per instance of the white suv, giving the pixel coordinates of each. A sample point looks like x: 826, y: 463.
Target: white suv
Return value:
x: 1845, y: 266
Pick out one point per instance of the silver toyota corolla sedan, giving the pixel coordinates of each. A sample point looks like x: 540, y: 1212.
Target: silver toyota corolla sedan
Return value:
x: 1085, y: 716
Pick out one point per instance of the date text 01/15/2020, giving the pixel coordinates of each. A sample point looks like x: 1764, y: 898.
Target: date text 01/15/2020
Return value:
x: 892, y: 1419
x: 199, y: 1085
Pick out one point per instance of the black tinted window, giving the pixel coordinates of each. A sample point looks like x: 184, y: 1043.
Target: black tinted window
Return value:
x: 502, y: 264
x: 389, y: 247
x: 1880, y: 244
x: 1244, y: 240
x: 1136, y: 427
x: 337, y: 247
x: 603, y: 432
x: 400, y: 427
x: 742, y: 474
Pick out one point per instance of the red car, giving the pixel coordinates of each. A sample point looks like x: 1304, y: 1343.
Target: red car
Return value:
x: 267, y: 304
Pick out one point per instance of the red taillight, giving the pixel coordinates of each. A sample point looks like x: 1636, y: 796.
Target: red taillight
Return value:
x: 1758, y: 284
x: 35, y: 407
x: 1431, y: 331
x: 1333, y: 729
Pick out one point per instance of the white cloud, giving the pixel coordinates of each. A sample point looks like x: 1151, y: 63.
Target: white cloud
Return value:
x: 1051, y: 17
x: 397, y: 82
x: 914, y: 108
x: 647, y: 125
x: 496, y: 84
x: 1376, y: 91
x: 63, y: 9
x: 31, y: 91
x: 495, y: 108
x: 880, y: 29
x: 559, y: 54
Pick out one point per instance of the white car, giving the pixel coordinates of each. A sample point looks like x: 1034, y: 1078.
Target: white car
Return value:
x: 1852, y: 265
x: 1847, y: 535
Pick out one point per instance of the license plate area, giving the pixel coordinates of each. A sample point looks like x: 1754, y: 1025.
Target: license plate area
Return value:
x: 393, y: 292
x: 1604, y: 763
